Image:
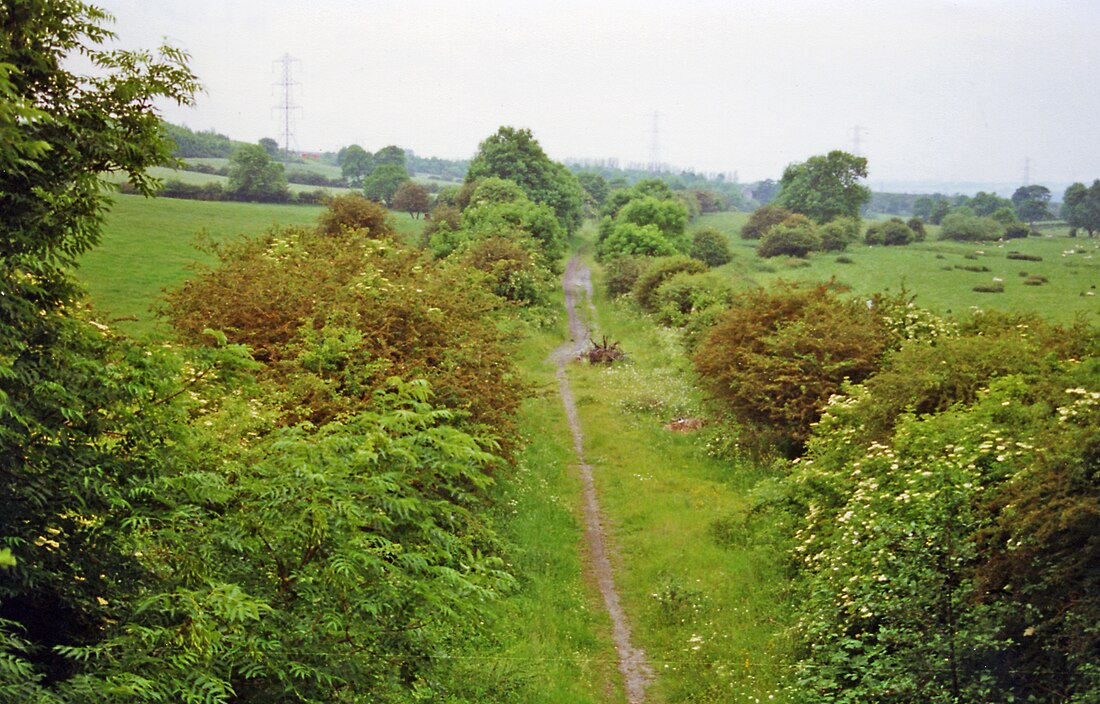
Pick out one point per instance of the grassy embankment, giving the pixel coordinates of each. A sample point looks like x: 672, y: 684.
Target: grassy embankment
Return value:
x: 942, y: 274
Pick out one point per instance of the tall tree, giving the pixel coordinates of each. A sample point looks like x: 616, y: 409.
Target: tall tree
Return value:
x: 1031, y: 203
x: 355, y: 163
x: 384, y: 181
x: 411, y: 198
x: 75, y: 448
x: 825, y: 187
x: 254, y: 175
x: 514, y: 154
x: 1081, y: 207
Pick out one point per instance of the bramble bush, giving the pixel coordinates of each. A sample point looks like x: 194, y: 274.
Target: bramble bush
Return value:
x: 777, y: 356
x: 373, y: 308
x: 656, y: 273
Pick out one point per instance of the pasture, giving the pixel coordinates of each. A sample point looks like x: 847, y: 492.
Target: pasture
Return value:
x: 150, y: 245
x: 1054, y: 275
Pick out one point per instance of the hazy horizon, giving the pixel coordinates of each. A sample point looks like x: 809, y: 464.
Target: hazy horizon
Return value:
x: 943, y: 92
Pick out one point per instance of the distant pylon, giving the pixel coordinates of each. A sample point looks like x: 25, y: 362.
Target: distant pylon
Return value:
x: 655, y: 144
x: 287, y: 106
x: 857, y: 133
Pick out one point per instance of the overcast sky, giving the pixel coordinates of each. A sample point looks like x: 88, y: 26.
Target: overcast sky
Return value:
x: 943, y: 91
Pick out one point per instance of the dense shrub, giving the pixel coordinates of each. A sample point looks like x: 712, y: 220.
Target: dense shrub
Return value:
x: 762, y: 219
x: 621, y: 273
x: 837, y: 234
x: 794, y: 237
x: 659, y: 271
x: 333, y: 316
x: 1016, y: 230
x: 709, y: 246
x: 352, y: 212
x: 970, y: 228
x: 944, y: 546
x: 512, y: 271
x: 892, y: 232
x: 777, y: 356
x: 629, y: 239
x: 920, y: 233
x: 685, y: 294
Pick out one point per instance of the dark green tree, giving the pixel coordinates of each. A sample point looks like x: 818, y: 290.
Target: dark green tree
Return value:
x: 985, y: 204
x: 514, y: 154
x: 384, y: 181
x: 765, y: 191
x: 255, y: 176
x: 825, y: 187
x: 1081, y: 207
x: 355, y: 164
x: 1032, y: 203
x: 389, y: 155
x: 271, y: 147
x: 595, y: 186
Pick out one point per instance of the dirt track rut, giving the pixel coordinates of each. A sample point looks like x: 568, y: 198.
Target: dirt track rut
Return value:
x: 635, y: 669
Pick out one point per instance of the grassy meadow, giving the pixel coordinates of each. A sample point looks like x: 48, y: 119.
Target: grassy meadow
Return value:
x: 150, y: 245
x: 942, y: 275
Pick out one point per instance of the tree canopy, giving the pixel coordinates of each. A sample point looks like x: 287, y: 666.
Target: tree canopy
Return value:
x: 254, y: 175
x: 515, y: 154
x: 1032, y: 203
x: 1081, y: 207
x: 825, y: 187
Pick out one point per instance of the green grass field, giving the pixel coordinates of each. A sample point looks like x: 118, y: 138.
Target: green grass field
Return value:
x: 941, y: 275
x: 149, y: 245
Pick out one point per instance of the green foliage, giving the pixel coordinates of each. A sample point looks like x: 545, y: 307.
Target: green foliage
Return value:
x: 777, y: 356
x: 942, y: 544
x: 499, y: 209
x: 970, y: 228
x: 685, y: 295
x: 920, y: 234
x: 1032, y: 203
x: 595, y: 186
x: 1081, y: 207
x: 84, y: 417
x: 632, y: 240
x: 762, y: 220
x: 355, y: 164
x: 189, y: 143
x: 795, y: 237
x: 656, y: 273
x: 838, y: 233
x: 892, y: 232
x: 668, y: 216
x: 354, y: 213
x: 513, y: 271
x: 825, y: 187
x: 289, y: 294
x: 255, y: 176
x: 710, y: 246
x: 383, y: 181
x: 620, y: 273
x: 515, y: 155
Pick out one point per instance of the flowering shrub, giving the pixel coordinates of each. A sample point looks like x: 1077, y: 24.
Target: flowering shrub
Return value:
x: 948, y: 546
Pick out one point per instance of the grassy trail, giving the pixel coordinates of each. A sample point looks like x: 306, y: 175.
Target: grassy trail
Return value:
x: 702, y: 586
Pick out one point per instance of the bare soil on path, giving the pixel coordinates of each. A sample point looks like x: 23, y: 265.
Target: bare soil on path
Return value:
x: 632, y: 661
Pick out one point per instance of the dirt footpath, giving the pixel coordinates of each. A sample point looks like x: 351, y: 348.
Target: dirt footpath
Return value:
x: 637, y: 674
